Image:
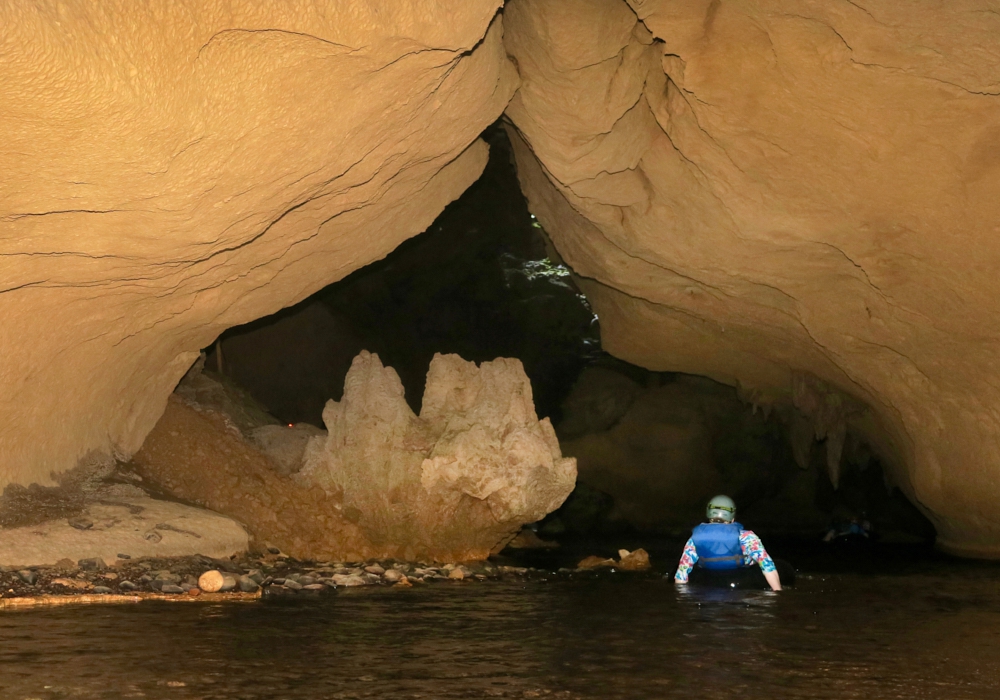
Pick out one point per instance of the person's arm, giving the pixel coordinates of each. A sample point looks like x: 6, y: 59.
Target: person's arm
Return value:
x: 687, y: 562
x: 753, y: 549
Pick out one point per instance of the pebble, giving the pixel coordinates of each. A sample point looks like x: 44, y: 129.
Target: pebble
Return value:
x: 392, y: 575
x: 81, y: 523
x: 211, y: 581
x: 293, y: 585
x: 171, y: 588
x: 248, y: 585
x: 103, y: 590
x: 92, y: 564
x: 70, y: 583
x: 124, y: 556
x: 28, y: 576
x: 457, y: 574
x: 314, y: 587
x: 375, y: 569
x: 127, y: 586
x: 229, y: 583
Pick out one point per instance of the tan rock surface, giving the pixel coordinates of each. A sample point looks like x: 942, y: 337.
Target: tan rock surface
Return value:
x: 456, y: 482
x: 139, y: 527
x: 453, y: 484
x: 770, y: 193
x: 169, y: 171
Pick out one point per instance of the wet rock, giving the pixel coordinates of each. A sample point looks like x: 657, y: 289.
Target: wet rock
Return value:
x: 375, y: 569
x: 456, y: 573
x: 633, y: 561
x: 594, y: 562
x: 293, y: 585
x: 348, y: 580
x: 211, y: 581
x: 392, y: 576
x: 171, y: 589
x: 314, y: 587
x: 127, y: 586
x: 103, y: 590
x: 248, y: 585
x: 257, y: 576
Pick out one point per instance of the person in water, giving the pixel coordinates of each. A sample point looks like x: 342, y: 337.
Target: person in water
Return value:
x: 722, y: 544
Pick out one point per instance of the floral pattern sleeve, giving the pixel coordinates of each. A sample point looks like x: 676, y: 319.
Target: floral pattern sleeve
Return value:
x: 753, y: 551
x: 688, y: 560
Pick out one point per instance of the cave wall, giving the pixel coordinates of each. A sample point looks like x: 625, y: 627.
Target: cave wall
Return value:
x: 172, y: 170
x: 786, y: 194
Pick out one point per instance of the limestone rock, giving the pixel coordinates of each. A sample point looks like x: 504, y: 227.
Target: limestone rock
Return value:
x: 529, y: 539
x: 460, y: 479
x: 594, y: 562
x: 657, y: 462
x: 285, y: 445
x: 171, y: 171
x: 211, y: 581
x: 636, y: 560
x: 755, y: 192
x: 121, y: 528
x: 453, y: 484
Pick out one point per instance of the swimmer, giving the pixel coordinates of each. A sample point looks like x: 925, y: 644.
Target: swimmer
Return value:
x: 722, y: 544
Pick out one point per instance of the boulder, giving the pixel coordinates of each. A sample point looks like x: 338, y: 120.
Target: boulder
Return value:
x: 459, y: 479
x: 126, y: 527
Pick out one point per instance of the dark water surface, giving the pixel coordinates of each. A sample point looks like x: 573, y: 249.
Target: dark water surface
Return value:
x: 930, y: 632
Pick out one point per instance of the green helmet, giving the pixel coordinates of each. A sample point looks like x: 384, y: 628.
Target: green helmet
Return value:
x: 721, y: 508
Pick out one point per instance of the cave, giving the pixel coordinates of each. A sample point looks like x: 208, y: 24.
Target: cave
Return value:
x: 651, y: 447
x: 773, y: 217
x: 413, y: 342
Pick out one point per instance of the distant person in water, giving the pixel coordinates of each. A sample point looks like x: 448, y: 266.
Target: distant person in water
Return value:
x: 722, y: 544
x: 852, y: 528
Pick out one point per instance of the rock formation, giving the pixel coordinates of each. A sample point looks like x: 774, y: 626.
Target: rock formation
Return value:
x: 453, y: 484
x: 461, y: 477
x: 765, y: 192
x: 169, y: 171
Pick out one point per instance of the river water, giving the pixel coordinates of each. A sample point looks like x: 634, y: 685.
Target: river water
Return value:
x: 900, y: 626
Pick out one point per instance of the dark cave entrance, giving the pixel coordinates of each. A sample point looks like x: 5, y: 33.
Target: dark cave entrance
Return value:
x: 652, y: 447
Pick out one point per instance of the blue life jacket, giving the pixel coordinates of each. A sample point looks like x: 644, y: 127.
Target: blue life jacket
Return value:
x: 718, y: 545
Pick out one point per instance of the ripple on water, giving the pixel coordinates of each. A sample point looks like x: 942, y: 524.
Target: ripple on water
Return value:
x: 838, y: 636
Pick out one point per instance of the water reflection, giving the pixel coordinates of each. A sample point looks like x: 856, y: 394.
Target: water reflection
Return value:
x: 849, y: 636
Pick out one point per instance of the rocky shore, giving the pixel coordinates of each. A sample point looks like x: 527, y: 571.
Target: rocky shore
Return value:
x: 238, y: 578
